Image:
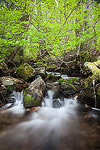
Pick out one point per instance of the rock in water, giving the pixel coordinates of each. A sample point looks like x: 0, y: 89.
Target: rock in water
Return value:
x: 70, y: 86
x: 34, y: 93
x: 25, y: 71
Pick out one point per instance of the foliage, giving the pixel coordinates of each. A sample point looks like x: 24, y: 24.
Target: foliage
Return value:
x: 55, y: 26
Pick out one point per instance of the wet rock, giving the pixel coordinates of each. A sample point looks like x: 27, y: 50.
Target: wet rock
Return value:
x: 54, y: 86
x: 90, y: 92
x: 88, y: 97
x: 25, y: 71
x: 57, y: 103
x: 8, y: 84
x: 34, y: 93
x: 70, y: 86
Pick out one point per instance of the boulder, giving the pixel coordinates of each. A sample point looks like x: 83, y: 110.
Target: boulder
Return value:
x: 94, y: 67
x: 25, y: 71
x: 34, y: 93
x: 90, y: 92
x: 70, y: 86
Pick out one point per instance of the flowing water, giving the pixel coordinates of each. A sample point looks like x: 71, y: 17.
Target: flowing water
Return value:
x: 58, y: 125
x: 94, y: 93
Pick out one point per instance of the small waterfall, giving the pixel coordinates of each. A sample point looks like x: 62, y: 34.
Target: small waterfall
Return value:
x: 18, y: 105
x: 49, y: 101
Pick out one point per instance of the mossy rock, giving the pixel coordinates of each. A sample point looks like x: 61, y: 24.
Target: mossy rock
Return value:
x: 33, y: 95
x: 61, y: 80
x: 88, y: 97
x: 88, y: 82
x: 69, y: 80
x: 25, y: 71
x: 93, y: 66
x: 70, y: 86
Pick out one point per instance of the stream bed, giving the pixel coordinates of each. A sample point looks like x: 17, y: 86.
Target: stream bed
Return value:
x: 60, y: 124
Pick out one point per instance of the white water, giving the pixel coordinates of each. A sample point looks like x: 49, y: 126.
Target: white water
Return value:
x: 47, y: 129
x: 18, y: 105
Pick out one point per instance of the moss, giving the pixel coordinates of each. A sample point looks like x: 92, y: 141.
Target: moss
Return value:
x: 61, y: 80
x: 93, y: 67
x: 88, y: 82
x: 10, y: 87
x: 28, y: 99
x: 97, y: 62
x: 68, y: 81
x: 75, y: 79
x: 37, y: 102
x: 45, y: 65
x: 25, y: 71
x: 74, y: 88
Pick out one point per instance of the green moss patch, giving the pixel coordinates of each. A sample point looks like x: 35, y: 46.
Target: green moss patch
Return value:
x: 29, y: 100
x: 68, y: 81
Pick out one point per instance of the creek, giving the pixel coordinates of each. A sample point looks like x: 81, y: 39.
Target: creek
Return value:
x: 59, y: 124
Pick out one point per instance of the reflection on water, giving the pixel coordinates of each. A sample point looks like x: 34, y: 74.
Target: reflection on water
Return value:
x: 48, y: 128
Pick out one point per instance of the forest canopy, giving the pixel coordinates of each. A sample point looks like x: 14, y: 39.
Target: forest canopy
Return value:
x: 35, y: 26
